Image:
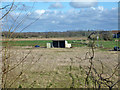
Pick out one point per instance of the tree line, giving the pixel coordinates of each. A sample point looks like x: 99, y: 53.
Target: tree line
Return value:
x: 105, y: 35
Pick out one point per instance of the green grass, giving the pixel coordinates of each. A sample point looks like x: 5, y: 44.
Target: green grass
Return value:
x: 75, y: 43
x: 108, y: 44
x: 27, y: 43
x: 42, y: 43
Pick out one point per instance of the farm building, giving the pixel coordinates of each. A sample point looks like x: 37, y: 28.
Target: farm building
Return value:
x: 58, y: 44
x: 116, y: 33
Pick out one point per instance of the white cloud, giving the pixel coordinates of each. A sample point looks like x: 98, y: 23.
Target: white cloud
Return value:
x: 114, y: 8
x: 29, y: 13
x: 40, y: 12
x: 15, y: 13
x: 101, y: 8
x: 62, y: 16
x: 93, y: 8
x: 74, y: 19
x: 84, y: 0
x: 83, y: 4
x: 80, y: 19
x: 66, y: 0
x: 56, y: 6
x: 54, y: 22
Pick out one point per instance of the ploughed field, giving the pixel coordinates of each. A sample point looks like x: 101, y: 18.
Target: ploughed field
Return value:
x: 58, y: 67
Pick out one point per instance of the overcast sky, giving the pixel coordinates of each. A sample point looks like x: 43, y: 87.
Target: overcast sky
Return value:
x: 64, y: 16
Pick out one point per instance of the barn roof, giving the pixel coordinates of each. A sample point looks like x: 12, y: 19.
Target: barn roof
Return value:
x: 116, y: 31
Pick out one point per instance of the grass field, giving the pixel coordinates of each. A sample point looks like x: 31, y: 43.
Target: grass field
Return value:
x: 108, y: 44
x: 27, y: 43
x: 75, y: 43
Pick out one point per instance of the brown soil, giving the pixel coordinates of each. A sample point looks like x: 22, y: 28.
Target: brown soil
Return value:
x: 31, y: 39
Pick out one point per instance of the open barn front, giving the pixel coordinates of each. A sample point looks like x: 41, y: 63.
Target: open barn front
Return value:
x: 59, y: 44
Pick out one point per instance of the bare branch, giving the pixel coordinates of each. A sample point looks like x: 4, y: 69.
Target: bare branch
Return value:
x: 7, y: 11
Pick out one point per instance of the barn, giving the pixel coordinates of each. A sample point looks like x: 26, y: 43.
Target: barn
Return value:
x: 58, y: 44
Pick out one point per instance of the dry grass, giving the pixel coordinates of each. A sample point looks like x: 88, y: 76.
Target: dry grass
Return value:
x: 51, y: 67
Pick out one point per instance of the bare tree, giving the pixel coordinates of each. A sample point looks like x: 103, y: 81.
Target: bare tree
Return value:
x: 8, y: 11
x: 9, y: 66
x: 98, y: 78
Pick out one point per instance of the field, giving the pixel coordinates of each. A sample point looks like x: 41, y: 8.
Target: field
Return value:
x: 104, y: 45
x: 58, y: 67
x: 51, y: 67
